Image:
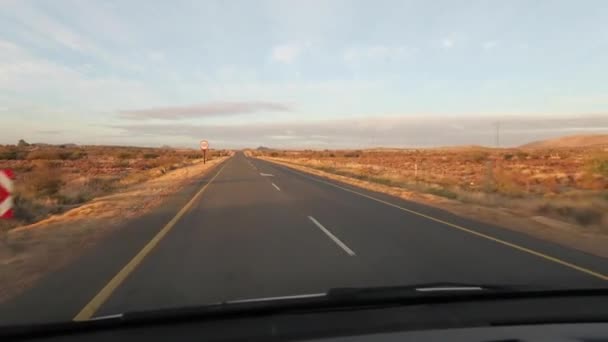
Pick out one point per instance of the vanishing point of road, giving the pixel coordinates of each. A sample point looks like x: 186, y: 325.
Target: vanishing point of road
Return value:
x: 251, y: 228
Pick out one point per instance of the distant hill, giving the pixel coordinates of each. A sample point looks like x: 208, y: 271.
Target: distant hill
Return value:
x: 571, y: 141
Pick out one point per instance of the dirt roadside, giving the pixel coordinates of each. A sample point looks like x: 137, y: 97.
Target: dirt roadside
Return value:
x: 29, y: 252
x: 562, y: 233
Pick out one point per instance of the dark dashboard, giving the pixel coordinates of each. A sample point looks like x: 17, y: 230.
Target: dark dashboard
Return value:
x: 582, y: 318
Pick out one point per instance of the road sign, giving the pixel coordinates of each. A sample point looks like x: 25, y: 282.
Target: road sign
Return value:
x: 6, y: 191
x: 204, y: 148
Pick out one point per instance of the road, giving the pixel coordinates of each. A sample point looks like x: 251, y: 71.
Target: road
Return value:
x: 258, y: 229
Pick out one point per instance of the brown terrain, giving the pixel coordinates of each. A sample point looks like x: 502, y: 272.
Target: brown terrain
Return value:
x: 559, y: 186
x: 54, y: 179
x: 596, y: 140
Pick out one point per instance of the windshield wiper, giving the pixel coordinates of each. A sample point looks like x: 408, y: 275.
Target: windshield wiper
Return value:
x: 335, y: 299
x: 342, y: 298
x: 417, y: 290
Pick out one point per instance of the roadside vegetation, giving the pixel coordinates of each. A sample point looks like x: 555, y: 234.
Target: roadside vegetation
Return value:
x: 52, y: 179
x: 569, y: 184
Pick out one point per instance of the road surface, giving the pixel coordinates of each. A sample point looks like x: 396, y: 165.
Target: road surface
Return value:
x: 258, y: 229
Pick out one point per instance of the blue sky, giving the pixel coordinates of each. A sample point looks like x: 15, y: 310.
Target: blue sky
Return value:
x: 278, y: 72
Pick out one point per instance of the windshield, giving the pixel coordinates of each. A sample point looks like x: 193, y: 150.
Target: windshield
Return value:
x: 170, y: 154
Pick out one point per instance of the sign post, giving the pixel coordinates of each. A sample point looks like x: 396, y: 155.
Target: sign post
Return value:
x: 6, y: 192
x: 204, y: 148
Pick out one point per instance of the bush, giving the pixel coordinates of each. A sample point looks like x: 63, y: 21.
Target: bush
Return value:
x: 599, y: 165
x: 443, y: 192
x: 125, y: 155
x: 26, y: 209
x: 121, y: 164
x: 193, y: 156
x: 477, y: 156
x: 150, y: 155
x: 353, y: 154
x: 582, y: 215
x: 8, y: 155
x: 44, y: 181
x: 43, y: 155
x: 72, y: 155
x: 99, y: 185
x: 274, y: 154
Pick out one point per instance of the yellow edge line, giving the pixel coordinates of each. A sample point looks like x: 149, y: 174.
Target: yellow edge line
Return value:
x: 470, y: 231
x: 89, y: 310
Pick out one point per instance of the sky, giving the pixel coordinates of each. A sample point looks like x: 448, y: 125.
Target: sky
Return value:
x: 302, y: 74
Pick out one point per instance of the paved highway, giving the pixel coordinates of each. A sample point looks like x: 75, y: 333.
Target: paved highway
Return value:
x: 258, y: 229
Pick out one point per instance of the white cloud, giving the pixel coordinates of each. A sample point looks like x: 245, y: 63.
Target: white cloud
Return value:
x: 287, y: 53
x: 376, y: 52
x: 38, y: 78
x: 39, y: 23
x: 447, y: 43
x: 489, y: 45
x: 213, y: 109
x: 156, y: 56
x: 386, y: 131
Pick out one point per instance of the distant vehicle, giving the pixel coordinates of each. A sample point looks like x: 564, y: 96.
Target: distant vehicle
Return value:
x: 439, y: 312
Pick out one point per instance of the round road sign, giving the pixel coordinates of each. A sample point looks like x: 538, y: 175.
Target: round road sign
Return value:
x: 204, y: 145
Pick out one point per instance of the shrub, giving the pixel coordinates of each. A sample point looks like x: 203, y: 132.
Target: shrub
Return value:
x: 26, y: 209
x: 72, y: 155
x: 193, y: 156
x: 274, y: 154
x: 99, y: 185
x: 476, y: 156
x: 121, y: 164
x: 353, y: 154
x: 599, y: 165
x: 580, y: 214
x: 125, y: 155
x: 150, y: 155
x: 443, y: 192
x: 43, y: 155
x: 44, y: 181
x: 8, y: 155
x: 65, y: 155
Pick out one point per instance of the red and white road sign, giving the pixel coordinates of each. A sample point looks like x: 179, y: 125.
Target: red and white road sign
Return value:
x: 6, y: 193
x: 204, y: 145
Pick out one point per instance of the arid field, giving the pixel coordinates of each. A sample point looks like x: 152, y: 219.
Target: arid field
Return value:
x: 52, y: 179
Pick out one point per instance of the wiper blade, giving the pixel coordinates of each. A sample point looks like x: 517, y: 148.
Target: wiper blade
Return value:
x: 335, y: 297
x: 417, y: 290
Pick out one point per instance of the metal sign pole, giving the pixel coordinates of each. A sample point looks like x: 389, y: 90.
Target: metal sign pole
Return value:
x: 204, y: 144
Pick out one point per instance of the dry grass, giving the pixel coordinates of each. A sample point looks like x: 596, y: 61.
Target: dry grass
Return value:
x: 53, y: 179
x: 568, y: 184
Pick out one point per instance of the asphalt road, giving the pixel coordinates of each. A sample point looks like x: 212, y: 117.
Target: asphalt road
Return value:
x: 258, y: 229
